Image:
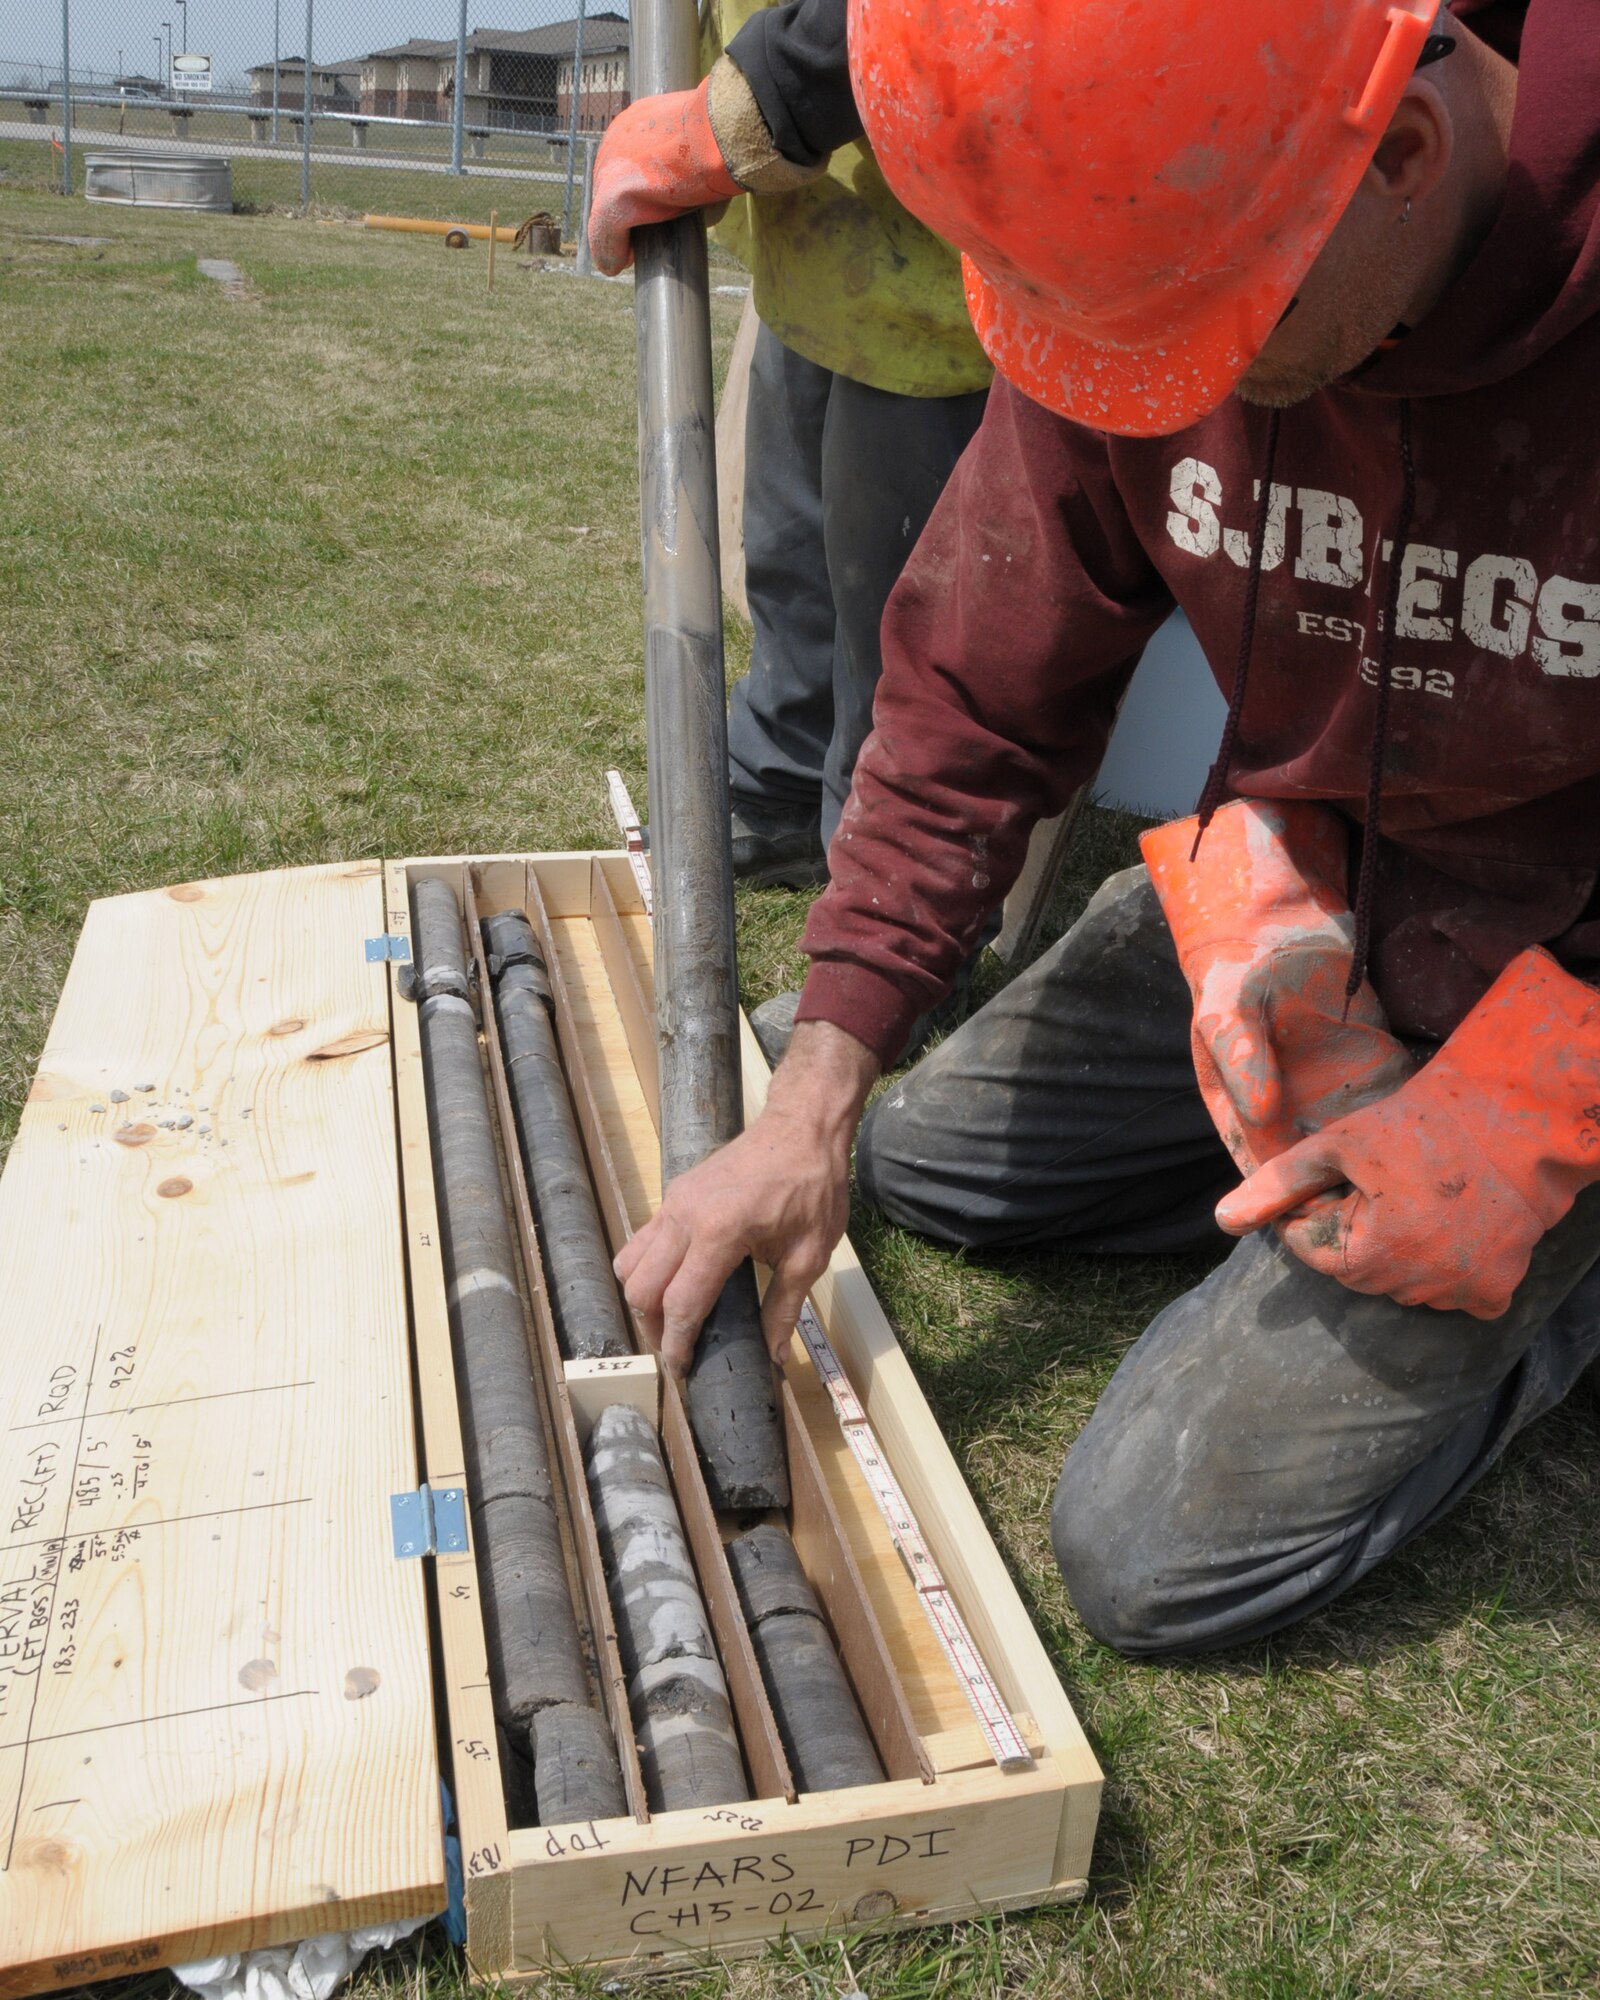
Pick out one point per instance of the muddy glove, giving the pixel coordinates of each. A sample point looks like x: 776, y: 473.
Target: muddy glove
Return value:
x: 1263, y: 930
x: 684, y: 150
x: 1453, y: 1179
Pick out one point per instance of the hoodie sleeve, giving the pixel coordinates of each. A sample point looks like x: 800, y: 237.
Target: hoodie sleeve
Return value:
x: 1007, y: 646
x: 795, y: 61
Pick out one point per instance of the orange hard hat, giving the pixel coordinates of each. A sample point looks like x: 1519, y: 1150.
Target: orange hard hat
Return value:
x: 1138, y: 185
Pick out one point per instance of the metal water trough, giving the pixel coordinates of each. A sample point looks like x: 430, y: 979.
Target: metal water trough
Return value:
x: 161, y: 180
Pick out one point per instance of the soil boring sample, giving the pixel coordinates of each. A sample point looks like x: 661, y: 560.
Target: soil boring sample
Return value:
x: 828, y: 1743
x: 682, y: 1718
x: 732, y: 1409
x: 536, y: 1670
x: 583, y: 1291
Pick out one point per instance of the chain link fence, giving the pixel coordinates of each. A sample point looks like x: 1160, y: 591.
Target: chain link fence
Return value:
x: 393, y: 107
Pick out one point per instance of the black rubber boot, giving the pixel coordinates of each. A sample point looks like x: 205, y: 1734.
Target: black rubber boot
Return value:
x: 772, y: 852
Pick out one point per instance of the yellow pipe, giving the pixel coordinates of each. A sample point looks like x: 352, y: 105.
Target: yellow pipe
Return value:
x: 425, y: 225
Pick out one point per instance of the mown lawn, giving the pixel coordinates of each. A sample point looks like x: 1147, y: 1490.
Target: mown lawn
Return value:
x: 348, y: 566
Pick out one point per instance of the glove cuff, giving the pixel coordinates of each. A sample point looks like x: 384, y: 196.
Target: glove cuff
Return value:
x: 1263, y: 866
x: 1530, y: 1052
x: 743, y: 138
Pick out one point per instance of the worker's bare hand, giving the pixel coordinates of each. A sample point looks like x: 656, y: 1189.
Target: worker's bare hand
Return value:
x: 780, y: 1193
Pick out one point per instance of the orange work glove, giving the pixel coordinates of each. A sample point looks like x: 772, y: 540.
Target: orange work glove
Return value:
x: 1263, y: 930
x: 1453, y: 1179
x: 659, y: 159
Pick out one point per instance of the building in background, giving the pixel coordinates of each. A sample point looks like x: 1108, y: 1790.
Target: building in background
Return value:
x: 335, y: 87
x: 604, y: 88
x: 403, y: 82
x: 517, y: 79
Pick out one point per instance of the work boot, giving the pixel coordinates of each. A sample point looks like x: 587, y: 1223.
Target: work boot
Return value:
x: 772, y: 1023
x: 771, y: 850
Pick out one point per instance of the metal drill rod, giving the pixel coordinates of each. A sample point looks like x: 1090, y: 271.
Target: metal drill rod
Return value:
x: 536, y: 1671
x: 729, y: 1391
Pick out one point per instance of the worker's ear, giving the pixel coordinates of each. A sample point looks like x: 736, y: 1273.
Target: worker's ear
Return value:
x: 1413, y: 155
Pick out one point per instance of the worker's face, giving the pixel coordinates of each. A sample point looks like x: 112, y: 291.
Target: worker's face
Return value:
x: 1349, y: 301
x: 1366, y: 279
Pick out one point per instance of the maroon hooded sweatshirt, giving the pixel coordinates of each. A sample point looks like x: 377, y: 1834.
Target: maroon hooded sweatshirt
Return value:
x: 1056, y: 551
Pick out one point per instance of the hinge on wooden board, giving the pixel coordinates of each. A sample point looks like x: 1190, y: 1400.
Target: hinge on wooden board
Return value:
x: 386, y: 947
x: 426, y: 1523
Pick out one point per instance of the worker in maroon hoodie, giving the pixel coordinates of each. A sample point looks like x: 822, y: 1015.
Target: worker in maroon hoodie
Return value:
x: 1295, y: 311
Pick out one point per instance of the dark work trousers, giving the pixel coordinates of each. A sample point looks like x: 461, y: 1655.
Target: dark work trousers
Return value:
x: 839, y: 482
x: 1271, y: 1435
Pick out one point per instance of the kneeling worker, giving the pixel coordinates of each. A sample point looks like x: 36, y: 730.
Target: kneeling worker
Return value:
x: 1295, y: 307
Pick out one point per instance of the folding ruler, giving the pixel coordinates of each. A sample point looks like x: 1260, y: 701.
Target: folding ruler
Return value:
x: 933, y: 1593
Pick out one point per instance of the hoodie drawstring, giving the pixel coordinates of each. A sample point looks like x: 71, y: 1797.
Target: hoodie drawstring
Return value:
x: 1217, y: 777
x: 1216, y: 784
x: 1366, y: 880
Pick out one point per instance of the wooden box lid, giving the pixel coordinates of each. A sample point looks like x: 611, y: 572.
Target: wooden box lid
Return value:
x: 216, y: 1717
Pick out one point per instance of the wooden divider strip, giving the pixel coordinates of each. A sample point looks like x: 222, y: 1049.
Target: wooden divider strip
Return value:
x: 826, y: 1558
x: 758, y: 1729
x: 636, y: 1009
x: 579, y: 1517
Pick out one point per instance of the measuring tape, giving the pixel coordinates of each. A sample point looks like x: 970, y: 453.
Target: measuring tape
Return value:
x: 933, y: 1593
x: 632, y: 835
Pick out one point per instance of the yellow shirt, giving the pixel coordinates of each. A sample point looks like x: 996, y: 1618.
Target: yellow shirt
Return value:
x: 844, y: 275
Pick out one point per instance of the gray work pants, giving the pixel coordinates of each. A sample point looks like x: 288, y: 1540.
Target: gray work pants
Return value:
x: 1272, y: 1435
x: 839, y: 482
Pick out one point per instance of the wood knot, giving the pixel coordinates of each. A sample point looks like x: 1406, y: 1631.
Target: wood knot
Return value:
x: 874, y: 1904
x: 134, y: 1135
x: 351, y: 1045
x: 170, y: 1190
x: 187, y: 892
x: 286, y: 1027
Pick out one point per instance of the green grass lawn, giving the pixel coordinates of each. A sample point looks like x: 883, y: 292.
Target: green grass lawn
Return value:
x: 348, y: 566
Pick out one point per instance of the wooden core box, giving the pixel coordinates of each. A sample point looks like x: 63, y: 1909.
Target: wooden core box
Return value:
x: 226, y: 1700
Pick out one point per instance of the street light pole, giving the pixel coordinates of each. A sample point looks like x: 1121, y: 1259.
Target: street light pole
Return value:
x: 168, y: 26
x: 66, y: 103
x: 276, y: 45
x: 183, y: 9
x: 458, y: 110
x: 572, y: 132
x: 305, y: 106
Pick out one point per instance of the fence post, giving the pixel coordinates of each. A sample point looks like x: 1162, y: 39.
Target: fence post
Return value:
x: 585, y: 261
x: 572, y: 128
x: 305, y: 109
x: 66, y: 98
x: 458, y: 111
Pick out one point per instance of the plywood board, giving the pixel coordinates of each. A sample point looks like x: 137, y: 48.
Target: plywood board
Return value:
x: 216, y: 1718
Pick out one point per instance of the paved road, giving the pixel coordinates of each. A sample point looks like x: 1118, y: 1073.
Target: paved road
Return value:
x: 90, y: 140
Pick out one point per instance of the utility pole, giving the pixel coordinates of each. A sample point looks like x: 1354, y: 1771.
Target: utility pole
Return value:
x: 458, y: 110
x: 572, y: 129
